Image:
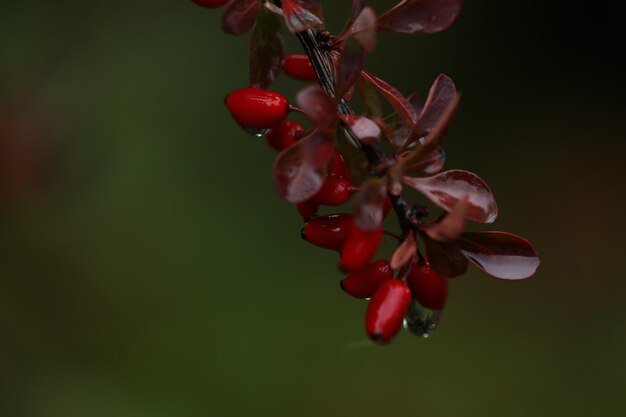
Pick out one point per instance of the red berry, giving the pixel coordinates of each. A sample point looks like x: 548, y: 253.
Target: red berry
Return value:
x: 254, y: 108
x: 364, y: 283
x: 338, y: 167
x: 428, y: 287
x: 308, y: 209
x: 387, y: 207
x: 334, y: 192
x: 328, y: 232
x: 210, y: 4
x: 385, y: 312
x: 359, y: 248
x: 299, y: 67
x: 285, y: 135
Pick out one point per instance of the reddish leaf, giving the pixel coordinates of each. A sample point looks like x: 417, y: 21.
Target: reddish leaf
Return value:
x: 501, y: 255
x: 349, y: 67
x: 441, y: 96
x: 369, y: 205
x: 239, y: 16
x: 434, y: 135
x: 355, y: 158
x: 366, y: 130
x: 452, y: 224
x: 266, y: 50
x: 402, y: 130
x: 394, y: 179
x: 318, y: 106
x: 431, y: 141
x: 364, y: 29
x: 436, y: 114
x: 445, y: 257
x: 405, y: 252
x: 417, y: 102
x: 299, y: 15
x: 420, y: 17
x: 387, y: 130
x: 447, y: 188
x: 430, y: 163
x: 355, y: 11
x: 400, y: 104
x: 371, y: 100
x: 300, y: 170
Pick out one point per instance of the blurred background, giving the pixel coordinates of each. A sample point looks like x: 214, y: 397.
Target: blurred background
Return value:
x: 148, y: 268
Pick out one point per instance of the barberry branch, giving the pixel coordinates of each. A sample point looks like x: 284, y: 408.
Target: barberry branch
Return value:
x: 408, y: 288
x: 322, y: 64
x: 375, y: 157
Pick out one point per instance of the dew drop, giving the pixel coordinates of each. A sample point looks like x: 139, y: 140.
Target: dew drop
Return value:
x: 421, y: 321
x: 259, y: 133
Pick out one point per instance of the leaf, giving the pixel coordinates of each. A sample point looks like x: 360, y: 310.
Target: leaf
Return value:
x: 239, y: 16
x: 452, y: 224
x: 430, y: 163
x: 447, y: 188
x: 300, y: 170
x: 355, y: 158
x: 433, y: 138
x: 420, y: 17
x: 399, y: 103
x: 349, y: 67
x: 438, y: 110
x: 364, y: 29
x: 417, y: 102
x: 445, y: 257
x: 365, y: 129
x: 300, y: 15
x: 389, y: 132
x: 318, y: 106
x: 394, y: 179
x: 368, y: 91
x: 441, y: 98
x: 369, y: 205
x: 501, y: 255
x: 401, y: 128
x: 404, y: 253
x: 355, y: 11
x: 266, y: 50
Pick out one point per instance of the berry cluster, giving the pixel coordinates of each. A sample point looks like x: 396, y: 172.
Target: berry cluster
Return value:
x: 369, y: 158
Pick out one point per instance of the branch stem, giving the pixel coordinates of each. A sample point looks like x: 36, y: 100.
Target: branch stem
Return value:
x: 322, y: 64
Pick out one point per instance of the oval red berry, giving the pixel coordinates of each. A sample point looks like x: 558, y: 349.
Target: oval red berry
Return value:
x: 299, y: 66
x: 428, y: 287
x: 253, y: 108
x: 334, y: 192
x: 339, y: 167
x: 210, y: 4
x: 285, y: 135
x: 385, y: 311
x: 308, y: 209
x: 359, y: 248
x: 328, y: 232
x: 364, y: 283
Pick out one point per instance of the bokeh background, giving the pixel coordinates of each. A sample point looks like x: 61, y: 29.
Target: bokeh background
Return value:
x: 148, y: 268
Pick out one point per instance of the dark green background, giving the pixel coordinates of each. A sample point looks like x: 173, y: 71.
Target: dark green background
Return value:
x: 156, y: 272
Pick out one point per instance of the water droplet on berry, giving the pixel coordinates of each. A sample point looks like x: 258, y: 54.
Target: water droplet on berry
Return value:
x: 259, y: 133
x: 433, y: 18
x: 420, y: 320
